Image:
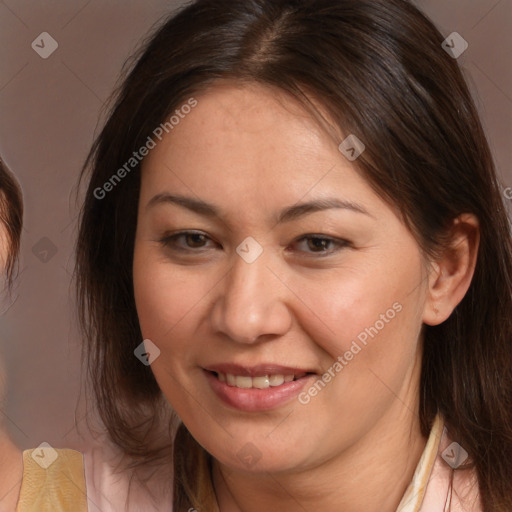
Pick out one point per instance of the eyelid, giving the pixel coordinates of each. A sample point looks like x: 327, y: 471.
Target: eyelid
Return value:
x: 169, y: 234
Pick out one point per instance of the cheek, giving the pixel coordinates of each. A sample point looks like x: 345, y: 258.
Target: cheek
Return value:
x: 371, y: 319
x: 170, y: 304
x: 369, y: 359
x: 161, y: 297
x: 346, y: 307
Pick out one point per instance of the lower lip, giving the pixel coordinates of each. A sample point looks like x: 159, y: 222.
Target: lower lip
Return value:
x: 254, y: 399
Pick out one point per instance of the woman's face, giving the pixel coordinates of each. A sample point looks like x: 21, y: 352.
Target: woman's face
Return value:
x: 294, y: 267
x: 4, y: 253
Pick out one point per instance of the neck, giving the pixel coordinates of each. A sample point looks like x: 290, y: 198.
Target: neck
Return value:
x: 372, y: 475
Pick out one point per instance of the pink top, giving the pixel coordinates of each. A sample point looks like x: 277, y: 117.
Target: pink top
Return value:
x: 431, y: 488
x: 111, y: 491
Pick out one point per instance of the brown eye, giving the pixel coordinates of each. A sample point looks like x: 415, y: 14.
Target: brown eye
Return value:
x: 186, y: 241
x: 195, y: 240
x: 321, y: 245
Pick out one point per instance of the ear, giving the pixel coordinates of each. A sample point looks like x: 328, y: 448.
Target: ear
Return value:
x: 451, y: 274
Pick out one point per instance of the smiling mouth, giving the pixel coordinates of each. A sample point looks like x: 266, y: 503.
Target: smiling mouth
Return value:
x: 258, y: 382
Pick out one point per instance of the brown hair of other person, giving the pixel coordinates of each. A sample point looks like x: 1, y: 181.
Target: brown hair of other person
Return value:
x: 11, y: 218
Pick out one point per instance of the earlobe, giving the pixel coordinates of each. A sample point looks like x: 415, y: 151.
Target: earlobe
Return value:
x: 450, y: 275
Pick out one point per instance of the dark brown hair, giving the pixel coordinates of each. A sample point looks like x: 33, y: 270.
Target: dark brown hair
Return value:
x: 378, y: 69
x: 11, y: 218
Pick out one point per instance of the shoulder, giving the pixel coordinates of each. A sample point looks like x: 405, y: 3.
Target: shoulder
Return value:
x: 11, y: 471
x: 62, y: 479
x: 53, y: 479
x: 112, y: 488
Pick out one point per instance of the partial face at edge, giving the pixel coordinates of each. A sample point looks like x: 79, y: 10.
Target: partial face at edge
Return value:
x: 324, y: 280
x: 4, y: 241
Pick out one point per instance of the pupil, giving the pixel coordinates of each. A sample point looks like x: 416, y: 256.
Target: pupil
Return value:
x: 195, y: 240
x: 318, y: 243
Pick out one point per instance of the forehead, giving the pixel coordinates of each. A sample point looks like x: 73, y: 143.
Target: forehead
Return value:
x: 245, y: 117
x: 248, y: 141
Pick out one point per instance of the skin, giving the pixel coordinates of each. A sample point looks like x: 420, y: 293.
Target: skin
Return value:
x: 11, y: 472
x: 253, y: 152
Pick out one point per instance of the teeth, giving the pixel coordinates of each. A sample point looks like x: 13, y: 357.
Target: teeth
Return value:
x: 260, y: 382
x: 243, y: 382
x: 276, y: 380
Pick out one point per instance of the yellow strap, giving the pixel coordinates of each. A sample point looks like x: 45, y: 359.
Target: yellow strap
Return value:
x: 53, y: 481
x: 414, y: 494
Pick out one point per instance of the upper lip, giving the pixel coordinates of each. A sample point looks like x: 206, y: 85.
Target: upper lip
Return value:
x: 256, y: 370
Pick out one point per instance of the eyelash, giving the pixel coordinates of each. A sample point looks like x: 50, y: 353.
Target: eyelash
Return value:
x: 169, y: 242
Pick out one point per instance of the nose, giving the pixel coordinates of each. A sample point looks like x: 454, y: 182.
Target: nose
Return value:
x: 251, y: 303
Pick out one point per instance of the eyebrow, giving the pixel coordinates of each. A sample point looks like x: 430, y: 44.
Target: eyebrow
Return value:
x: 287, y: 215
